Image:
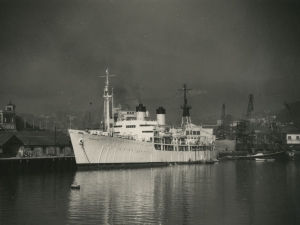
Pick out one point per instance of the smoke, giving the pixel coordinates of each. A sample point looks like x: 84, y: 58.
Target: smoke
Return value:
x: 197, y: 92
x: 126, y: 90
x: 190, y: 93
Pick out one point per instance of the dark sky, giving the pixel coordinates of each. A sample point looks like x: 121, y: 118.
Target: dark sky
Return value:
x: 53, y: 52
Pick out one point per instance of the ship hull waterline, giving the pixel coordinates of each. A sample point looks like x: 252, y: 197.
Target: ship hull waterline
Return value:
x: 103, y: 152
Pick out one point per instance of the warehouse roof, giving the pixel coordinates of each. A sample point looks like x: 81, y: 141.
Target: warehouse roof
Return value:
x: 37, y: 137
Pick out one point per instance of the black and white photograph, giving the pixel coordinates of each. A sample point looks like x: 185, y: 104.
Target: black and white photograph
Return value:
x: 150, y: 112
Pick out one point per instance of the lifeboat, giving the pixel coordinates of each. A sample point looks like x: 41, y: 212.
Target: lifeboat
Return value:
x: 165, y: 134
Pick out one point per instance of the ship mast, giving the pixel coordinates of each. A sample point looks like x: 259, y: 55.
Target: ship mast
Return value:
x: 107, y: 98
x: 186, y: 119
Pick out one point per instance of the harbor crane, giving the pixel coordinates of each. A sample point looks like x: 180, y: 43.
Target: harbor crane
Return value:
x: 243, y: 126
x: 292, y: 112
x: 245, y: 138
x: 250, y: 107
x: 221, y: 131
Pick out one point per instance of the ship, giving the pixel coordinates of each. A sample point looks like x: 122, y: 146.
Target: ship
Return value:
x: 130, y: 139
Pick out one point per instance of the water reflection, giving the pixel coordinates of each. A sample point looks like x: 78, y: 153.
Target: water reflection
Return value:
x: 157, y: 195
x: 230, y: 192
x: 30, y: 198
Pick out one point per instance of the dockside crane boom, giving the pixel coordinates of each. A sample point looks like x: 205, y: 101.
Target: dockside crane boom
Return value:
x: 250, y: 107
x: 223, y: 116
x: 221, y: 131
x: 244, y: 135
x: 291, y: 112
x: 287, y: 106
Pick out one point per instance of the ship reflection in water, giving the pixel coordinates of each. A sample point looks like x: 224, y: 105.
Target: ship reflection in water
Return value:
x: 225, y: 193
x: 229, y: 192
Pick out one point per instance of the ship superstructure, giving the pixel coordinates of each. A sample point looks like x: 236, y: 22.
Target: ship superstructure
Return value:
x: 131, y: 138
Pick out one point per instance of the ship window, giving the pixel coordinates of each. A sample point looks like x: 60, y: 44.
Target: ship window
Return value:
x: 289, y: 138
x: 157, y: 147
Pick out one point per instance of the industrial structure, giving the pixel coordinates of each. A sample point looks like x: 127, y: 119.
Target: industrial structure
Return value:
x: 221, y: 130
x: 244, y: 135
x: 251, y: 140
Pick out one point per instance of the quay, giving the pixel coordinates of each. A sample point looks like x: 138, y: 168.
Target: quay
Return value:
x: 46, y: 163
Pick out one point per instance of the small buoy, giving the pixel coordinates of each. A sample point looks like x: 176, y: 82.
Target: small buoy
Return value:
x: 75, y: 186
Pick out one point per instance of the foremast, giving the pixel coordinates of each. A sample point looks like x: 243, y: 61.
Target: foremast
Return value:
x: 107, y: 98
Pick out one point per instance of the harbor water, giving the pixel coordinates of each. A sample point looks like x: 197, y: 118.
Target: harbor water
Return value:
x: 228, y: 192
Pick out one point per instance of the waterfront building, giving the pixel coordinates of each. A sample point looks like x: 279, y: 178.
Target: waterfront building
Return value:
x: 9, y: 145
x: 35, y: 144
x: 8, y: 118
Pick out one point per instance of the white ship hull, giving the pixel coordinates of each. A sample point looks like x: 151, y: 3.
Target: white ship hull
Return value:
x: 95, y: 150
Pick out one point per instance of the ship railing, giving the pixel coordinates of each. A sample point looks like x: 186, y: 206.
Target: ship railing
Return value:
x: 182, y: 143
x: 174, y: 147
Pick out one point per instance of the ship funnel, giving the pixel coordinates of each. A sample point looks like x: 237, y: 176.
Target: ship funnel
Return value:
x: 140, y: 112
x: 161, y: 116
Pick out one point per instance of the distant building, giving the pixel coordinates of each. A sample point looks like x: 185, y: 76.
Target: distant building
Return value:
x: 234, y: 123
x: 8, y: 118
x: 252, y: 120
x: 293, y: 140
